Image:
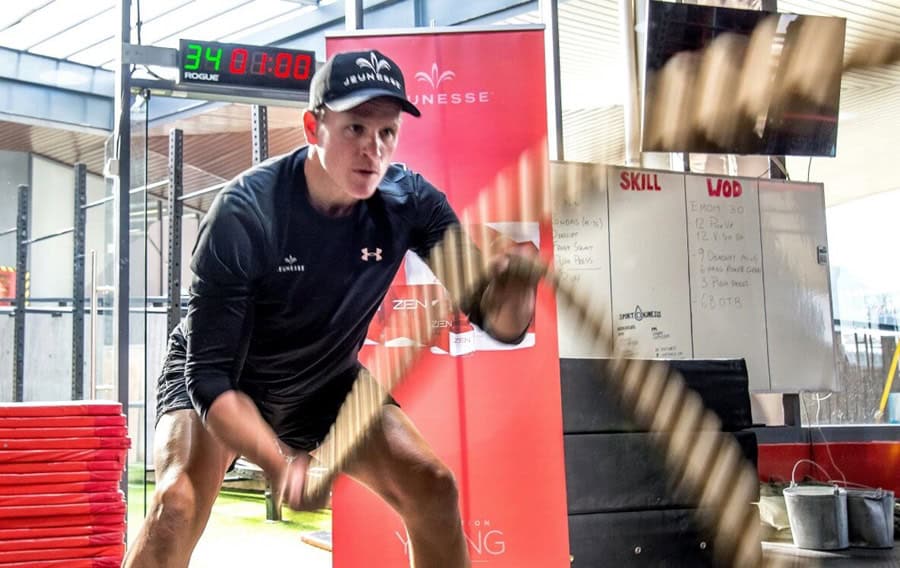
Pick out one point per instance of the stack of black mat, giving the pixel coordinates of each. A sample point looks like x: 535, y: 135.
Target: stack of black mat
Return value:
x: 622, y: 511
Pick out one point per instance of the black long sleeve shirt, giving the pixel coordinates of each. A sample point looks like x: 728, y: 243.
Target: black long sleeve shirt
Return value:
x: 282, y: 295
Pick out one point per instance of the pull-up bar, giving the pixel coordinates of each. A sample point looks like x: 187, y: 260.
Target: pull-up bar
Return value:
x: 50, y: 236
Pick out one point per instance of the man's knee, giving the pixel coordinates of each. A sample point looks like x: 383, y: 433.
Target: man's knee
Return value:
x: 434, y: 493
x: 176, y: 507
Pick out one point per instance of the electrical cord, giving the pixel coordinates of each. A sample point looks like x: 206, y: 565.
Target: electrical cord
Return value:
x: 139, y: 23
x: 818, y: 427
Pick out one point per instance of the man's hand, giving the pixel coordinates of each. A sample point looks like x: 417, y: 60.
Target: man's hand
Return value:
x: 289, y: 481
x: 234, y: 419
x: 509, y: 299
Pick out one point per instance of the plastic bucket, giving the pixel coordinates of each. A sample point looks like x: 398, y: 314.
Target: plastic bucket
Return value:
x: 870, y: 516
x: 893, y: 408
x: 818, y: 516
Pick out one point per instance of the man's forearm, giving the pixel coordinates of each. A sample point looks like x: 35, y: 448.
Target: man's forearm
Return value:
x: 235, y: 421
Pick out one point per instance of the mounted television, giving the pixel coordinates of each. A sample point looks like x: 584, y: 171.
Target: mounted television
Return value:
x: 730, y: 81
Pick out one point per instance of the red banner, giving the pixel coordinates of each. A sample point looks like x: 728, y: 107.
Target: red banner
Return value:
x: 492, y: 413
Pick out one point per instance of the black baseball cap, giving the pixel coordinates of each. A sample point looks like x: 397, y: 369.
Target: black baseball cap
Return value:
x: 351, y: 78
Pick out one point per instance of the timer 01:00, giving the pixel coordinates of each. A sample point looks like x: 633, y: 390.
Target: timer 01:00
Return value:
x: 282, y: 66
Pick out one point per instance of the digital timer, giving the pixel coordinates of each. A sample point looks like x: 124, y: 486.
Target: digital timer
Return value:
x: 230, y: 64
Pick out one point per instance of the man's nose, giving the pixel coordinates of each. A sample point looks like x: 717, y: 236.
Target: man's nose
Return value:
x: 373, y: 145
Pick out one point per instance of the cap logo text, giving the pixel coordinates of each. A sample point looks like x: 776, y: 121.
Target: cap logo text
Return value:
x: 372, y: 69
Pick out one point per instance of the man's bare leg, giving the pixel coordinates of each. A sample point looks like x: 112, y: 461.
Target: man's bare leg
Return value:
x: 190, y: 467
x: 400, y: 467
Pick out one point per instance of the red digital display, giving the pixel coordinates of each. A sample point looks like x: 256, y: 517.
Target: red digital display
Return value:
x: 229, y: 64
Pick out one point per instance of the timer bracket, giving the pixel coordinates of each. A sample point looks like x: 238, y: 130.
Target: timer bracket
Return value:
x: 149, y: 55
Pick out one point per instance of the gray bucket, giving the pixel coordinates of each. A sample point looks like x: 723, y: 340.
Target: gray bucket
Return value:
x: 818, y: 516
x: 870, y: 514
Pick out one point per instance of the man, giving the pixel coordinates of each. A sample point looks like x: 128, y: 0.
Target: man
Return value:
x: 291, y: 263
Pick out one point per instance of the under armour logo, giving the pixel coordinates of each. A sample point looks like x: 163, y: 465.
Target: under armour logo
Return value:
x: 366, y: 255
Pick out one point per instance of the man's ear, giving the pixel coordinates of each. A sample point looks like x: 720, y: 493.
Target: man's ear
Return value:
x: 310, y: 126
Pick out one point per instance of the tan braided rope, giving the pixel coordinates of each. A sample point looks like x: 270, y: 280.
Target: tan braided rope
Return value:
x: 705, y: 464
x: 736, y: 84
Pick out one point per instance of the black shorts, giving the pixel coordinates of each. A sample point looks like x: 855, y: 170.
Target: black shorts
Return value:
x: 301, y: 424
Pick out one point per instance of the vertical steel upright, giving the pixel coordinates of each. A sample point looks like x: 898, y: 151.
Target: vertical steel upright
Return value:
x: 78, y: 240
x: 550, y: 16
x: 260, y: 122
x: 776, y: 163
x: 260, y: 133
x: 631, y: 62
x: 18, y: 392
x: 176, y: 211
x: 121, y: 221
x: 419, y: 13
x: 353, y: 14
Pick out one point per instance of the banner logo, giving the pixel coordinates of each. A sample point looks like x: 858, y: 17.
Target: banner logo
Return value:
x: 435, y: 78
x: 485, y: 542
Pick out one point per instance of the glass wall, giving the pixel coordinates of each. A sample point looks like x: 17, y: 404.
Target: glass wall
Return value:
x: 47, y: 357
x: 142, y: 209
x: 865, y: 284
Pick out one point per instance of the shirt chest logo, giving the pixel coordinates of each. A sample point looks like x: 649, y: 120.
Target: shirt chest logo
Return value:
x: 366, y: 255
x: 291, y: 265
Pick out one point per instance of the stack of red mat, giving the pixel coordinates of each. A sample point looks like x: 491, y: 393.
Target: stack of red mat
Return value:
x: 60, y: 469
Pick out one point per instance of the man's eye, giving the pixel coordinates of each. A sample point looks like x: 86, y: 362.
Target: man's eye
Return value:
x: 356, y: 129
x: 388, y: 133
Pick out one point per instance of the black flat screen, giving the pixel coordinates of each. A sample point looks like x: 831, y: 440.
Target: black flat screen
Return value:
x: 723, y: 80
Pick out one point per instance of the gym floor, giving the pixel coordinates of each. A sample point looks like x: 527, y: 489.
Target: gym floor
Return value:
x: 226, y: 545
x: 239, y: 535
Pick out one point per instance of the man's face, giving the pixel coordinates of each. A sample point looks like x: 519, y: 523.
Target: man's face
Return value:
x: 356, y: 146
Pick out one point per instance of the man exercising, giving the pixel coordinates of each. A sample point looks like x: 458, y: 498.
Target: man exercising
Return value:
x: 291, y: 263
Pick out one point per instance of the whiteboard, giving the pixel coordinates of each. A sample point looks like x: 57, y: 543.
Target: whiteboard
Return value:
x: 796, y: 279
x: 693, y: 269
x: 725, y: 259
x: 648, y: 250
x: 581, y: 249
